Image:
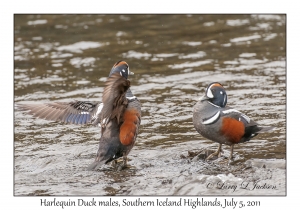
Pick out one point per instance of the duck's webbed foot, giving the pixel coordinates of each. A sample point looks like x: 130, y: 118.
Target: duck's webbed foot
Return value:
x: 216, y: 153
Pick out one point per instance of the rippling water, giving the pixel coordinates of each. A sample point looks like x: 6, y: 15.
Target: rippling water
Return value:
x: 174, y: 57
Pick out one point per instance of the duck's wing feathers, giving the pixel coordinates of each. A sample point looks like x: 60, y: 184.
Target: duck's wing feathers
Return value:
x: 233, y: 113
x: 76, y: 112
x: 114, y: 97
x: 251, y: 127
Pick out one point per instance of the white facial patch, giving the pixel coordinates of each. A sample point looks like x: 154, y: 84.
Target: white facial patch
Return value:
x: 129, y: 72
x: 224, y: 100
x: 121, y: 73
x: 209, y: 93
x: 221, y: 92
x: 123, y: 70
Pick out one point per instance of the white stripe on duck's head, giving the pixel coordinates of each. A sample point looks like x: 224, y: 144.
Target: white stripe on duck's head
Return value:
x: 122, y: 68
x: 216, y: 94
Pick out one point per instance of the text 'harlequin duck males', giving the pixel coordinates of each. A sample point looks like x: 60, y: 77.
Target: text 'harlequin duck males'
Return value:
x: 220, y: 123
x: 119, y: 115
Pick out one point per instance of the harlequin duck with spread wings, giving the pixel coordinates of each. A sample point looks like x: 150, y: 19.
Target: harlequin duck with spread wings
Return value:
x: 220, y: 123
x: 119, y: 116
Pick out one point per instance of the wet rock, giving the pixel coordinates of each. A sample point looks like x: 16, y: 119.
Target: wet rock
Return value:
x: 168, y: 181
x: 196, y: 159
x: 192, y: 154
x: 185, y: 161
x: 202, y: 156
x: 146, y: 165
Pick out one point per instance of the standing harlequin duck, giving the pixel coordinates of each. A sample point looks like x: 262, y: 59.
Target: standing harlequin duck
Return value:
x: 119, y: 115
x: 220, y: 123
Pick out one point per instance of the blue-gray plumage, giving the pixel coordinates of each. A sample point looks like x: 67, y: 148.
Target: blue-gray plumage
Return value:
x: 220, y: 123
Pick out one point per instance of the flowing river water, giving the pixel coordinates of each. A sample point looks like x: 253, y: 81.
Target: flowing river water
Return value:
x: 174, y: 58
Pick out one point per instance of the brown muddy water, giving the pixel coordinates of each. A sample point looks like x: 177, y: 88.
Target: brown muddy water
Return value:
x: 174, y: 57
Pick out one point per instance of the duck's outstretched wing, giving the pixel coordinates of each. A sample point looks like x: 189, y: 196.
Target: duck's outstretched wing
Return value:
x: 76, y: 112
